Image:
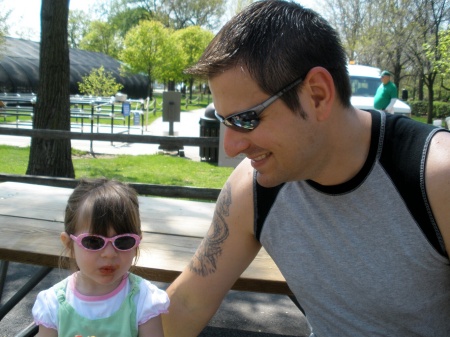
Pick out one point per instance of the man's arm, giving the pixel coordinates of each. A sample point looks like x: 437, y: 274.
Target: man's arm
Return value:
x: 225, y: 252
x: 390, y: 107
x: 437, y: 182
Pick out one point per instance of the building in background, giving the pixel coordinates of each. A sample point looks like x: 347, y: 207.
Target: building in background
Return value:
x: 19, y: 69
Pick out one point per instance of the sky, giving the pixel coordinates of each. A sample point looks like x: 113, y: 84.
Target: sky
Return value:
x: 24, y: 20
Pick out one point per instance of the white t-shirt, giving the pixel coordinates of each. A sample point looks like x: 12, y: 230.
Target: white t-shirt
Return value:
x: 150, y: 301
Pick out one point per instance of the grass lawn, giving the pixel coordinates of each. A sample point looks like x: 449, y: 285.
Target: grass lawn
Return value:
x: 147, y: 169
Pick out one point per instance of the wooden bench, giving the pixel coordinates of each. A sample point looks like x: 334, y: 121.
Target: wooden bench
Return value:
x: 31, y: 220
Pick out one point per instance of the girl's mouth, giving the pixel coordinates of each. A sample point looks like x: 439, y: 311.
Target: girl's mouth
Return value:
x: 107, y: 270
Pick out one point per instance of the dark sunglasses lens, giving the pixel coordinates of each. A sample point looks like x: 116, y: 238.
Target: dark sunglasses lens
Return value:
x: 247, y: 120
x: 124, y: 242
x: 93, y: 242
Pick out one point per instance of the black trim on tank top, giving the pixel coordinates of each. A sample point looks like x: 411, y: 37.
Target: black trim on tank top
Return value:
x: 263, y: 200
x: 402, y: 157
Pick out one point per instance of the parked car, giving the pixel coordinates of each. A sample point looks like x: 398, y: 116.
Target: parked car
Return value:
x: 365, y: 81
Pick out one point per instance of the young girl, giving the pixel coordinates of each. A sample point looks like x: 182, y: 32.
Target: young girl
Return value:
x: 102, y: 298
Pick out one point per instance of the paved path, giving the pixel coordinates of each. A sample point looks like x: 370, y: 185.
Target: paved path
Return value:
x: 187, y: 127
x: 241, y: 313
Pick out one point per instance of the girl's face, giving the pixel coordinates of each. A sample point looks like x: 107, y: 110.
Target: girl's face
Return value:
x: 101, y: 271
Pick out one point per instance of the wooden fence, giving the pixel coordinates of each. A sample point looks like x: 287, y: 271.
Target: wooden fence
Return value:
x: 143, y: 189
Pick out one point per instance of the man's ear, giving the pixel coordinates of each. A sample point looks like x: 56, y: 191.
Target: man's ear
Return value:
x: 321, y: 92
x: 65, y: 239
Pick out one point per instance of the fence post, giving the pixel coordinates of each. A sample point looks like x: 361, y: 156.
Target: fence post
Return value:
x: 92, y: 125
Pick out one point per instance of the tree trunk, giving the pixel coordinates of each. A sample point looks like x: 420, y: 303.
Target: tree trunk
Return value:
x: 171, y: 85
x: 191, y: 84
x: 430, y: 104
x: 52, y: 110
x: 429, y: 81
x: 420, y: 87
x: 150, y: 87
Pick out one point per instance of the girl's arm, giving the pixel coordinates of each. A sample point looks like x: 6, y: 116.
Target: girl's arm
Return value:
x: 46, y: 332
x: 151, y: 328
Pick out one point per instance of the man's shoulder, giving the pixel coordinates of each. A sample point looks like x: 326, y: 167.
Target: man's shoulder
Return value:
x: 392, y: 85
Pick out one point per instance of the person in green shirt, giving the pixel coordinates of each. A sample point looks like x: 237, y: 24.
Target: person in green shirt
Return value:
x: 386, y: 94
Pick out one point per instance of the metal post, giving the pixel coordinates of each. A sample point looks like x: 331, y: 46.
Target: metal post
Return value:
x: 3, y: 271
x: 22, y: 292
x: 112, y: 121
x: 171, y: 112
x: 92, y: 127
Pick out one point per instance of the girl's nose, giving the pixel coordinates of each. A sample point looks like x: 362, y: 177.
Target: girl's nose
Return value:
x: 109, y: 250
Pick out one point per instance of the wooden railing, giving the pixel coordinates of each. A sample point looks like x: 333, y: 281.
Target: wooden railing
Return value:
x: 143, y: 189
x: 124, y: 138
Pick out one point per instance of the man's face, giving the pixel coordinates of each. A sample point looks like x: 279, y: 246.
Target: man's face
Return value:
x: 282, y: 147
x: 385, y: 79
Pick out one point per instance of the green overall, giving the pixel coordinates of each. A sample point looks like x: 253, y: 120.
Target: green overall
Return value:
x: 122, y: 323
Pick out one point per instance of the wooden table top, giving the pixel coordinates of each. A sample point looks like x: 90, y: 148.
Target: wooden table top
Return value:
x: 31, y: 220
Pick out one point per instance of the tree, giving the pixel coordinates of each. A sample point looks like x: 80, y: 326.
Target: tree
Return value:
x: 443, y: 65
x: 348, y: 16
x: 144, y: 47
x: 99, y: 83
x: 178, y: 14
x: 124, y: 20
x: 52, y: 157
x: 170, y: 69
x: 78, y: 25
x: 203, y: 13
x: 434, y: 13
x: 101, y: 38
x: 3, y: 26
x: 193, y: 41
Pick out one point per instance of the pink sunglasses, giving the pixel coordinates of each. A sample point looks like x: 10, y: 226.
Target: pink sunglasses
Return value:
x: 93, y: 242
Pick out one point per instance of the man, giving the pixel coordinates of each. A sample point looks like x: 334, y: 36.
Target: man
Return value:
x: 386, y: 94
x: 351, y: 205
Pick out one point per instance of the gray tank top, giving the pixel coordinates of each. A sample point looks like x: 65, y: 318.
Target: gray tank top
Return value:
x: 364, y: 258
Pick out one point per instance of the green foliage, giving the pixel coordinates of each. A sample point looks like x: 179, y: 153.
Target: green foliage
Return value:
x: 149, y: 50
x: 441, y: 109
x: 193, y: 41
x: 101, y: 38
x: 440, y: 54
x: 420, y: 108
x: 148, y: 169
x: 124, y: 20
x: 77, y: 27
x: 99, y: 83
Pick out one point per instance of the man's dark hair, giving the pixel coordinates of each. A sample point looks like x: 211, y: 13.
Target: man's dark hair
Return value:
x: 277, y: 42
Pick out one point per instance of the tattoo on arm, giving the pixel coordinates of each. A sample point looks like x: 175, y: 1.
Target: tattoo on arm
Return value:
x: 204, y: 261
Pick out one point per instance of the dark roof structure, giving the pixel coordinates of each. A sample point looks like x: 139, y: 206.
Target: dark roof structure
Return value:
x: 19, y: 69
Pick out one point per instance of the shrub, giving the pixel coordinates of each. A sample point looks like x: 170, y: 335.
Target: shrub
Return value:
x: 420, y: 108
x: 99, y: 83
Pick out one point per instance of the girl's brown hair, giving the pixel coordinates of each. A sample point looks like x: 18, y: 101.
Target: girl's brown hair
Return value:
x: 102, y: 205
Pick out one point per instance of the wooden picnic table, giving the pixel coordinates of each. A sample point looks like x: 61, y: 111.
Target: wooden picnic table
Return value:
x: 31, y: 220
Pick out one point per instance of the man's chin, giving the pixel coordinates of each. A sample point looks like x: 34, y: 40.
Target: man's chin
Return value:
x: 268, y: 181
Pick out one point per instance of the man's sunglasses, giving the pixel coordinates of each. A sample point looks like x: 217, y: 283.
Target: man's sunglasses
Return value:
x: 249, y: 119
x: 122, y: 242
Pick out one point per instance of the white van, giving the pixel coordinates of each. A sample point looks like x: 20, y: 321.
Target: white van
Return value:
x: 365, y: 82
